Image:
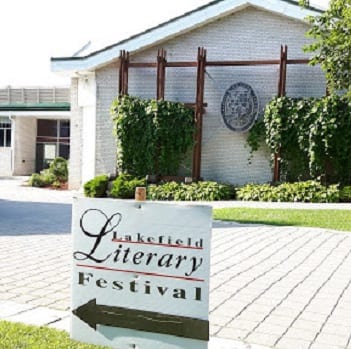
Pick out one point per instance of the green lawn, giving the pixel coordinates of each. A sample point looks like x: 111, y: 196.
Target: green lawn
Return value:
x: 329, y: 219
x: 18, y: 336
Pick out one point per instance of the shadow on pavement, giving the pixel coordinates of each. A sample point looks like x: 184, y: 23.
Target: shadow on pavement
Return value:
x: 232, y: 224
x: 23, y: 218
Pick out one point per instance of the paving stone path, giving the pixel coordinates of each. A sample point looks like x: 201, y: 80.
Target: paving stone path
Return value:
x: 277, y: 287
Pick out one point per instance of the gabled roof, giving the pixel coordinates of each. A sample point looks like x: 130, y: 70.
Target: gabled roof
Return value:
x: 177, y: 26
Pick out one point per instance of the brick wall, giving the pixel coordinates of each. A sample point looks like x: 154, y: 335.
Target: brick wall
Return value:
x: 248, y: 34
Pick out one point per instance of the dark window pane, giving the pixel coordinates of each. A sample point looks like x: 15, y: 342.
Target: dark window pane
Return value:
x: 40, y: 157
x: 47, y: 128
x: 8, y: 138
x: 64, y: 151
x: 5, y: 132
x: 64, y: 128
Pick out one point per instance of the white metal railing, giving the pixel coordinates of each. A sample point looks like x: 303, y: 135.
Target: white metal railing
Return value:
x: 35, y: 95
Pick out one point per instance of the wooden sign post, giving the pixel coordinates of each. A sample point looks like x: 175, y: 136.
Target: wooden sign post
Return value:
x: 140, y: 276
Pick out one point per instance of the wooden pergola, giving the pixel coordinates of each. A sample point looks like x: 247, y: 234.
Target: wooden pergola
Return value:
x: 199, y: 105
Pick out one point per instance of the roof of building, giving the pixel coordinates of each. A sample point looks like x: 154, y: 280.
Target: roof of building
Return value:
x: 36, y: 107
x: 177, y: 26
x: 34, y: 99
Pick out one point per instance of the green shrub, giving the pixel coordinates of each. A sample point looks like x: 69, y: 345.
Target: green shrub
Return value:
x: 345, y: 194
x: 309, y: 135
x: 54, y: 176
x: 164, y: 191
x: 59, y: 168
x: 123, y: 187
x: 255, y: 192
x: 308, y: 191
x: 36, y: 180
x: 200, y: 191
x: 44, y: 179
x: 96, y: 187
x: 48, y: 177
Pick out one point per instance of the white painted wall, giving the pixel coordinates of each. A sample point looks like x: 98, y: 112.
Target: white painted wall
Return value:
x: 25, y: 132
x: 5, y: 161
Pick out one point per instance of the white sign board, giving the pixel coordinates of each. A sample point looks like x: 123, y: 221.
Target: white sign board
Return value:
x: 140, y: 276
x: 49, y: 151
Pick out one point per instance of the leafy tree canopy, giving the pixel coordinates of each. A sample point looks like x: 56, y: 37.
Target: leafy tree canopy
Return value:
x: 331, y: 32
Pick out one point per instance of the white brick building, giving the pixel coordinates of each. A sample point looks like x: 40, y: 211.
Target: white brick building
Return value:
x: 34, y: 128
x: 229, y: 30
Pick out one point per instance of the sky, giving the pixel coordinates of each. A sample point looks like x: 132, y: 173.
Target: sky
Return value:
x: 35, y: 30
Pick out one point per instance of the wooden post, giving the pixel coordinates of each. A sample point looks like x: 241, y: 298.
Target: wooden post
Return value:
x: 140, y: 194
x: 120, y: 74
x: 281, y: 93
x: 284, y: 69
x: 200, y: 88
x: 161, y: 74
x: 123, y: 73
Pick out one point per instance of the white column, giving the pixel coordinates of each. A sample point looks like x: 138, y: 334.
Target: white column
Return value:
x: 87, y: 103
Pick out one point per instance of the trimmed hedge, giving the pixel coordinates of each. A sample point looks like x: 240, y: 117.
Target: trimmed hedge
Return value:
x: 345, y: 194
x: 123, y: 187
x: 200, y: 191
x: 308, y: 191
x: 96, y: 187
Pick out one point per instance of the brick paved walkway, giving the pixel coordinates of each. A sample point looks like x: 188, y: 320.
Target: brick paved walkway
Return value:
x: 279, y: 287
x: 282, y: 287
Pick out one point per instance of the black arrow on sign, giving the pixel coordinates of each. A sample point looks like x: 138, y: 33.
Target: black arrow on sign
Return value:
x: 94, y: 314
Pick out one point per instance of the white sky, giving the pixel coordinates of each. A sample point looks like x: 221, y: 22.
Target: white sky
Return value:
x: 35, y: 30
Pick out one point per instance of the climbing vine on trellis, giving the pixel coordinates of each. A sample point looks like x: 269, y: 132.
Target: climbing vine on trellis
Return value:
x: 311, y: 136
x: 152, y: 136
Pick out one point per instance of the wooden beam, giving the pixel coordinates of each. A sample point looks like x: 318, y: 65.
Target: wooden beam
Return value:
x: 242, y: 63
x: 297, y: 61
x: 142, y: 65
x: 193, y: 105
x: 181, y: 64
x: 200, y: 88
x: 167, y: 64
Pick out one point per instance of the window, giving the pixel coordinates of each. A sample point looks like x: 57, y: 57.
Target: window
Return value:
x: 53, y: 137
x: 5, y: 132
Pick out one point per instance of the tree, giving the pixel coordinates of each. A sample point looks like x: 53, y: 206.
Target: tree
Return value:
x: 331, y: 32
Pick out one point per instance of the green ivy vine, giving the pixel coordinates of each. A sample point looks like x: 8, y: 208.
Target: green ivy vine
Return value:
x: 152, y: 136
x: 311, y: 136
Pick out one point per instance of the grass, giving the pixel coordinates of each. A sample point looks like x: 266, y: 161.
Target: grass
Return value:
x: 329, y: 219
x: 19, y: 336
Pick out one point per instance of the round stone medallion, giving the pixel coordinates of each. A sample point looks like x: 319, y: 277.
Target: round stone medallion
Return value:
x: 239, y: 107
